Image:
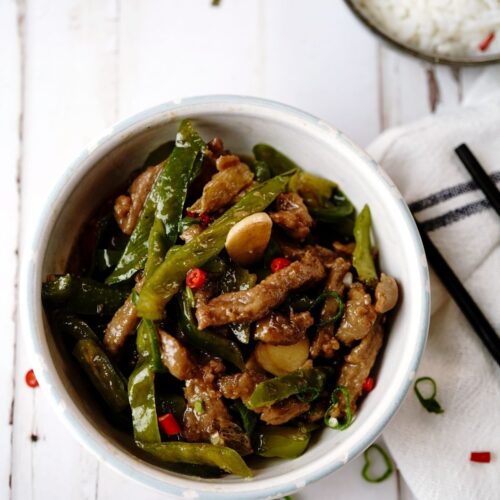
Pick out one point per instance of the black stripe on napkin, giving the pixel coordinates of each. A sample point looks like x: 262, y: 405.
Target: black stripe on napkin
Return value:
x: 446, y: 194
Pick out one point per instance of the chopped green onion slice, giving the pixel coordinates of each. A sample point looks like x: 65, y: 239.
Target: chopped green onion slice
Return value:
x: 429, y: 403
x: 333, y: 422
x: 366, y: 468
x: 340, y: 305
x: 198, y: 406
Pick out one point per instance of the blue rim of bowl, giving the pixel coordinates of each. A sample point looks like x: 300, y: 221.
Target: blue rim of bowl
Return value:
x: 31, y: 310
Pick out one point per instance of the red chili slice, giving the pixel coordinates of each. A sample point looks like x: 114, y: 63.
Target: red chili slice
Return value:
x: 205, y: 219
x: 30, y: 379
x: 483, y: 457
x: 195, y: 278
x: 368, y: 384
x: 487, y: 41
x: 190, y: 213
x: 169, y: 425
x: 279, y: 263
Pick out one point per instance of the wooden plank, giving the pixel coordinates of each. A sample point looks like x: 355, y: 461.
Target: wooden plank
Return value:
x: 69, y: 99
x: 10, y: 126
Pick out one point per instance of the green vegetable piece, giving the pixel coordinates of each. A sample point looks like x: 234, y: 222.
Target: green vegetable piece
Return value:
x: 165, y: 281
x: 104, y: 376
x: 362, y: 257
x: 305, y: 382
x: 70, y: 324
x: 160, y: 154
x: 165, y: 202
x: 83, y: 295
x: 141, y: 396
x: 281, y: 442
x: 198, y: 407
x: 206, y: 340
x: 340, y: 306
x: 261, y: 170
x: 106, y: 259
x: 334, y: 423
x: 148, y: 345
x: 366, y: 468
x: 429, y: 403
x: 315, y: 190
x: 333, y: 213
x: 248, y: 418
x: 199, y: 453
x: 277, y: 162
x: 157, y: 247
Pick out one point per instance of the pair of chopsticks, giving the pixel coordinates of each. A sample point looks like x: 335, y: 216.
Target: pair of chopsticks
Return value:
x: 449, y: 279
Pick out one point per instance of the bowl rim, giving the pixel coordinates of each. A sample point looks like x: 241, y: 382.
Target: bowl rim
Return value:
x: 407, y: 49
x: 51, y: 384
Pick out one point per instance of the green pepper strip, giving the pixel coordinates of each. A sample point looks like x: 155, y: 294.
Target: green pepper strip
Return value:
x: 165, y: 202
x: 157, y: 247
x: 206, y: 340
x: 261, y: 170
x: 362, y: 257
x: 199, y: 453
x: 281, y: 442
x: 340, y: 306
x: 248, y: 418
x: 348, y: 412
x: 277, y: 162
x: 83, y: 295
x: 430, y: 403
x: 104, y: 376
x: 366, y: 467
x: 165, y: 281
x: 72, y: 325
x: 308, y: 382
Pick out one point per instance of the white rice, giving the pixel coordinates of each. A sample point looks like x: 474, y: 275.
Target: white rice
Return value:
x: 443, y: 27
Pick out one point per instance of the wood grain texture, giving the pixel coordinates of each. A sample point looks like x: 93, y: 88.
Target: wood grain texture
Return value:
x: 84, y: 65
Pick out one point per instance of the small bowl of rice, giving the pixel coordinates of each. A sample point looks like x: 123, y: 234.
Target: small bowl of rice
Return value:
x: 455, y: 32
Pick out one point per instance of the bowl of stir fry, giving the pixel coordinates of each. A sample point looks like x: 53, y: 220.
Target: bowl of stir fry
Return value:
x: 226, y: 296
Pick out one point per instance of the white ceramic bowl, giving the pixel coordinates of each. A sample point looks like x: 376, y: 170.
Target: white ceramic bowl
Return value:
x: 241, y: 122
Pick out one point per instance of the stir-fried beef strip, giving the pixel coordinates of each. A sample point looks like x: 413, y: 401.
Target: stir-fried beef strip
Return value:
x: 216, y: 146
x: 227, y: 161
x: 240, y: 385
x: 345, y: 248
x: 223, y: 187
x: 386, y: 294
x: 292, y: 215
x: 176, y: 358
x: 206, y: 418
x: 357, y: 367
x: 123, y: 323
x: 359, y: 316
x: 277, y: 329
x: 257, y: 302
x: 283, y: 412
x: 128, y: 208
x: 294, y: 252
x: 324, y: 343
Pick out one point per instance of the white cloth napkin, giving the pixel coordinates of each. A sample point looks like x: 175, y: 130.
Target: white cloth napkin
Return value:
x: 430, y: 450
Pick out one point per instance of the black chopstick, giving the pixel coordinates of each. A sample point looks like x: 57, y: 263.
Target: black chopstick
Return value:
x: 482, y: 179
x: 462, y: 298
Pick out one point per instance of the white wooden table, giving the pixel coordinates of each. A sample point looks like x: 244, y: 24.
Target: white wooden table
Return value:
x: 70, y: 68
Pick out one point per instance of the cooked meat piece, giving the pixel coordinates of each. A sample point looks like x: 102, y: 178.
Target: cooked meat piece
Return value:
x: 191, y: 232
x: 283, y: 411
x: 128, y: 208
x: 216, y: 146
x: 324, y: 343
x: 346, y: 248
x: 293, y: 252
x: 243, y: 192
x: 122, y: 324
x: 214, y: 423
x: 226, y: 161
x: 222, y: 188
x: 359, y: 315
x: 277, y: 329
x: 240, y: 385
x: 386, y: 294
x: 255, y: 303
x: 317, y: 410
x: 292, y: 215
x: 176, y: 358
x: 357, y: 367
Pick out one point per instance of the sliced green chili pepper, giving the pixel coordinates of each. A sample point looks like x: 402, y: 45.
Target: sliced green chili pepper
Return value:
x: 248, y: 418
x: 362, y: 257
x: 165, y: 202
x: 104, y: 376
x: 334, y: 423
x: 281, y: 442
x: 72, y: 325
x: 148, y: 346
x: 165, y: 281
x: 199, y: 453
x: 430, y: 403
x: 106, y: 259
x: 261, y: 170
x: 277, y: 162
x: 306, y: 382
x: 366, y: 468
x: 157, y: 247
x: 340, y: 306
x: 160, y: 154
x: 315, y: 190
x: 83, y: 295
x: 206, y: 340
